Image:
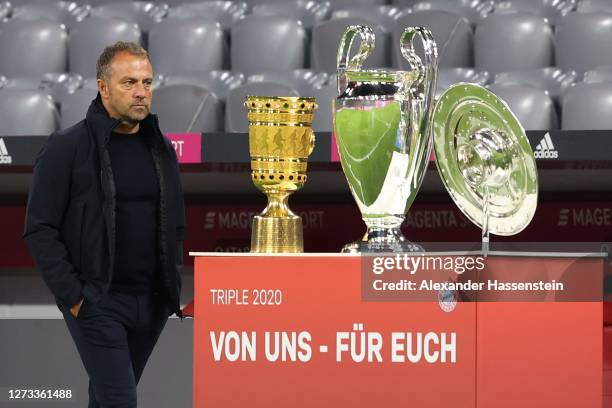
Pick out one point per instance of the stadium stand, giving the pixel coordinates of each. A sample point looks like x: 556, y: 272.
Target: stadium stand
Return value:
x: 302, y: 80
x: 27, y: 112
x: 226, y: 13
x: 206, y: 50
x: 384, y: 16
x: 308, y: 12
x: 533, y: 107
x: 65, y: 12
x: 513, y: 41
x: 187, y: 108
x: 268, y: 43
x: 472, y: 10
x: 45, y: 42
x: 552, y: 10
x: 583, y: 41
x: 588, y: 106
x: 218, y: 82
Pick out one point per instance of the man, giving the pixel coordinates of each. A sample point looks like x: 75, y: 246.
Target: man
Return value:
x: 105, y: 224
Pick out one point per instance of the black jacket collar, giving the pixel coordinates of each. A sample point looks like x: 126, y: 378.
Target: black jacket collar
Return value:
x: 101, y: 125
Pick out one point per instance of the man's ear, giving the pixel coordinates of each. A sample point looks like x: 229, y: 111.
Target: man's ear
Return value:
x: 103, y: 88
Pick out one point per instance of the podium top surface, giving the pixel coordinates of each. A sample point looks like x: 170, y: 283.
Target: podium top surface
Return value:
x: 445, y: 253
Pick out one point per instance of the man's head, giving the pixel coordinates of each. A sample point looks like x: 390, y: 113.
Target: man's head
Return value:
x: 124, y: 75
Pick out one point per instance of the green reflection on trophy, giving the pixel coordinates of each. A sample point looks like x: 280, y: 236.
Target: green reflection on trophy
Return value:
x: 280, y: 141
x: 382, y: 126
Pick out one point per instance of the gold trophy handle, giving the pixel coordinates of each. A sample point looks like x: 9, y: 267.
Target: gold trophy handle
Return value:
x: 347, y: 63
x: 428, y: 72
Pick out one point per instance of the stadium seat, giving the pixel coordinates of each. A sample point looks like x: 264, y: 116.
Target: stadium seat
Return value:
x: 384, y: 16
x: 302, y: 80
x: 552, y: 10
x: 325, y: 95
x: 218, y: 82
x: 6, y: 8
x: 599, y: 74
x: 513, y: 41
x: 472, y: 10
x: 583, y: 41
x: 587, y: 106
x: 589, y: 6
x: 450, y: 76
x: 226, y: 13
x: 65, y: 12
x: 187, y: 108
x: 143, y: 13
x: 179, y: 46
x: 309, y: 12
x: 27, y: 112
x: 533, y: 107
x: 343, y: 4
x: 74, y: 102
x: 268, y: 43
x: 452, y: 33
x: 32, y: 48
x: 89, y: 37
x: 326, y: 37
x: 551, y: 79
x: 235, y: 112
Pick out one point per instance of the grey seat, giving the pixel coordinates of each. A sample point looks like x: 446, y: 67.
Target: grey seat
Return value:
x: 179, y: 46
x: 589, y: 6
x: 472, y: 10
x: 6, y: 8
x: 27, y: 112
x: 89, y: 37
x: 226, y: 13
x: 587, y: 106
x: 187, y: 108
x: 513, y: 41
x: 452, y: 33
x: 235, y: 112
x: 551, y: 79
x: 552, y: 10
x: 218, y: 82
x: 74, y: 101
x: 309, y: 12
x: 450, y: 76
x: 51, y: 84
x: 533, y: 107
x: 598, y: 74
x: 326, y: 37
x: 384, y: 16
x: 583, y: 41
x: 32, y: 48
x: 325, y: 95
x: 143, y: 13
x: 64, y: 12
x: 343, y: 4
x: 304, y: 81
x: 268, y: 43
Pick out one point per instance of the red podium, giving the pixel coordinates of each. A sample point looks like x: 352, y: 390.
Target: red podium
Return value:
x: 294, y: 331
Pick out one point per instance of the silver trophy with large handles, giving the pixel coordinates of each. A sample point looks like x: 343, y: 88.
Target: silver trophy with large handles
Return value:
x: 384, y: 123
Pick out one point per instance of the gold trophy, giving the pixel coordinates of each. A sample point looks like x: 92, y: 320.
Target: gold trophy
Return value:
x: 280, y: 141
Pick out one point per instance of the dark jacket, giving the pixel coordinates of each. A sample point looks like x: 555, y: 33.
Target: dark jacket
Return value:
x: 70, y: 219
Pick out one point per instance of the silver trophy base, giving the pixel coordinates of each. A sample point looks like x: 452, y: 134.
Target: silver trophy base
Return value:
x: 382, y: 240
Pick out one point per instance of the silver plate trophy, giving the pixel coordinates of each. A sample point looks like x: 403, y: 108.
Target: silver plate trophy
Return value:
x: 382, y: 125
x: 383, y: 122
x: 485, y: 160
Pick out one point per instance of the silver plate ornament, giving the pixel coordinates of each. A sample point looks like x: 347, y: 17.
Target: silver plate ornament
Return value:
x: 484, y: 159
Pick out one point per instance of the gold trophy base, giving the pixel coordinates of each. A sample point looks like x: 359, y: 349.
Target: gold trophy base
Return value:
x: 277, y: 234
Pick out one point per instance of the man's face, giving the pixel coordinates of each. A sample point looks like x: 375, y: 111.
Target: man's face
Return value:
x: 126, y: 92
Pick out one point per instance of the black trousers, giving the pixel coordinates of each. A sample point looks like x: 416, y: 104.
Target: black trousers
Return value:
x: 115, y: 338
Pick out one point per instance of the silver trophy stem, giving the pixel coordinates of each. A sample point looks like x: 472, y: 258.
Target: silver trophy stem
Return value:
x: 485, y: 222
